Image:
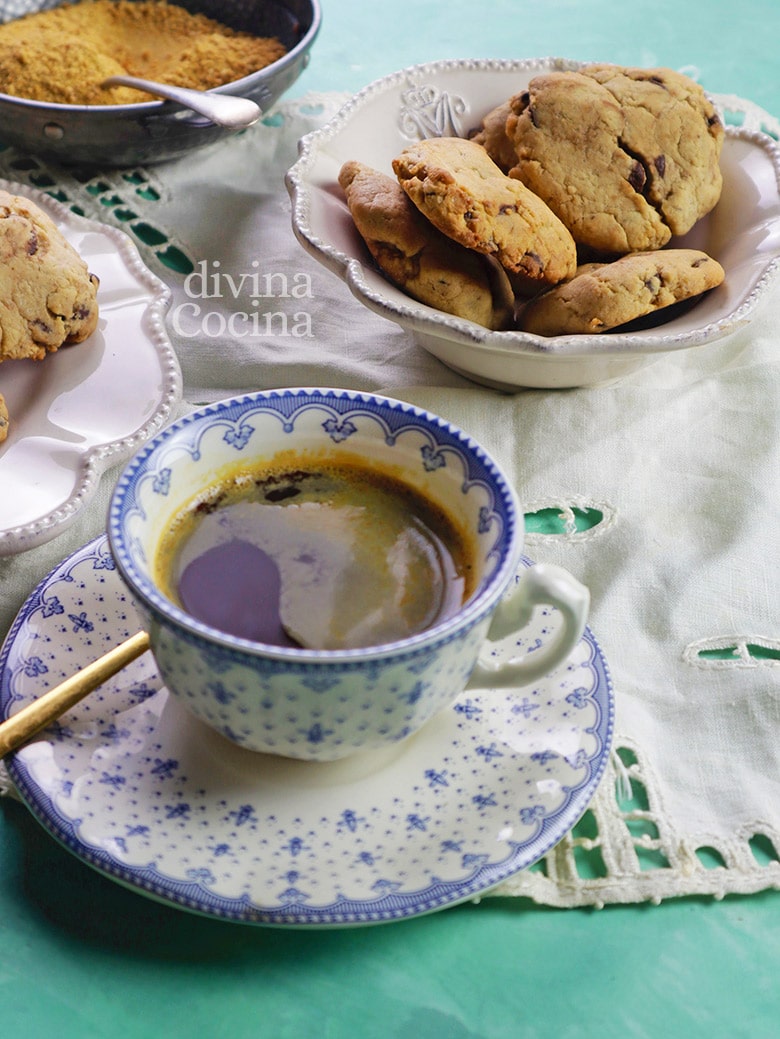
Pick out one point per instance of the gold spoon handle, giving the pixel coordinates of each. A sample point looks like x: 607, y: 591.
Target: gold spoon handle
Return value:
x: 23, y: 725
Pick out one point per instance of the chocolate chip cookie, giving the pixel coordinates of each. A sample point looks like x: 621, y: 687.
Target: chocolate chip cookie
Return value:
x: 492, y: 135
x: 458, y: 187
x: 418, y: 258
x: 602, y: 296
x: 49, y: 297
x: 626, y: 157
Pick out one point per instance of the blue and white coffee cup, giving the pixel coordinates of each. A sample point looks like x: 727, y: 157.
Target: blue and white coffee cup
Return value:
x: 323, y: 705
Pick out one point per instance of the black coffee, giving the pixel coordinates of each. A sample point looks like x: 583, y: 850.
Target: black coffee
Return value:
x: 333, y: 558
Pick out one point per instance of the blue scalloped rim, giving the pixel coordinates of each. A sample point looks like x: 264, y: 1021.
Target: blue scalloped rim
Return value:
x: 393, y: 417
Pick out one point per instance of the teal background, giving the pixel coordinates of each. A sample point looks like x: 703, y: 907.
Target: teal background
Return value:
x: 733, y: 43
x: 82, y: 957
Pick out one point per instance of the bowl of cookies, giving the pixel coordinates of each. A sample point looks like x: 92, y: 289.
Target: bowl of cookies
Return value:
x: 543, y: 223
x: 57, y: 61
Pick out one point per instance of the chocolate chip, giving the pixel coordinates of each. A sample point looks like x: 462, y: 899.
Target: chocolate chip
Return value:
x: 660, y: 164
x: 532, y: 115
x: 42, y: 326
x: 699, y: 262
x: 32, y: 244
x: 507, y: 208
x: 637, y: 177
x: 654, y: 284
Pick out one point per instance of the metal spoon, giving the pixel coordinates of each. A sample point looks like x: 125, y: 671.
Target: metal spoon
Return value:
x: 303, y: 630
x: 23, y: 725
x: 30, y: 720
x: 221, y: 109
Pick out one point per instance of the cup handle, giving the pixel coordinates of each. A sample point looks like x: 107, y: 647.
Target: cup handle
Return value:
x: 541, y: 584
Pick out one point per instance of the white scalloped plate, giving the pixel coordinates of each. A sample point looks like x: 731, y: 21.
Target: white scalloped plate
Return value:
x: 90, y: 405
x: 451, y: 97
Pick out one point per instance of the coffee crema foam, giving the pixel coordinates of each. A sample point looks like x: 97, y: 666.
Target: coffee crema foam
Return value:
x: 328, y: 557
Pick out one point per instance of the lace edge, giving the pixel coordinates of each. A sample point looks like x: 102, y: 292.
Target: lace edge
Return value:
x: 646, y: 887
x: 624, y: 850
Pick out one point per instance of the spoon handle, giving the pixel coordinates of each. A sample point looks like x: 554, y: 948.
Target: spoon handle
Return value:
x: 221, y: 109
x: 23, y: 725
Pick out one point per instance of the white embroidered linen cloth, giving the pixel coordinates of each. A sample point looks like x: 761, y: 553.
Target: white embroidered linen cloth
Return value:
x: 676, y: 469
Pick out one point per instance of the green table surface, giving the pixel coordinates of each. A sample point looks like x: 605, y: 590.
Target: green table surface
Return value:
x: 80, y: 956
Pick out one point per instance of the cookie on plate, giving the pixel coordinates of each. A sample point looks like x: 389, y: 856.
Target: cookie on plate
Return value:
x: 602, y: 296
x: 626, y: 157
x: 458, y: 187
x: 418, y: 258
x: 49, y: 298
x: 493, y: 137
x: 3, y: 419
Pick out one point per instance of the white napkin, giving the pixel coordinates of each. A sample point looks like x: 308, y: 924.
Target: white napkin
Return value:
x: 683, y: 464
x: 681, y: 461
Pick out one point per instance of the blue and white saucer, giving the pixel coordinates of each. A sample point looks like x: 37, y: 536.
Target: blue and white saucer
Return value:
x: 136, y: 787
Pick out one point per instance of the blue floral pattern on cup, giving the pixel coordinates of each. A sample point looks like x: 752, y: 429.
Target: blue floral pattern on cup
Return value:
x: 425, y: 671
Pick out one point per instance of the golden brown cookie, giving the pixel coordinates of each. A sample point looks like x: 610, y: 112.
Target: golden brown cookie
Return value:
x: 459, y: 188
x: 626, y: 157
x: 494, y: 139
x: 3, y: 419
x: 419, y: 258
x: 677, y: 135
x: 605, y: 295
x: 48, y: 295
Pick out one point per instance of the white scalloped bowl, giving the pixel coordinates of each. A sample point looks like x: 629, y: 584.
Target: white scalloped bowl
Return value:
x: 742, y: 232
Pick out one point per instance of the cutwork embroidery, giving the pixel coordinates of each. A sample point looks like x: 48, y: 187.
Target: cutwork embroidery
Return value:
x: 122, y: 198
x: 729, y: 651
x: 577, y: 519
x: 622, y: 851
x: 127, y: 197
